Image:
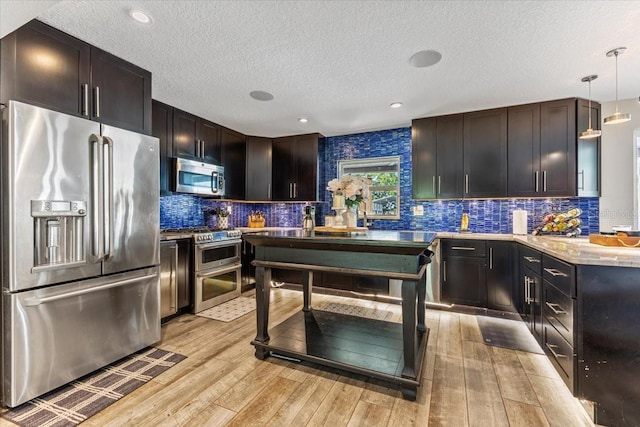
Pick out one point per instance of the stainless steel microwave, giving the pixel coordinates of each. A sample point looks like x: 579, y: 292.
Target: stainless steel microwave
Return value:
x: 199, y: 178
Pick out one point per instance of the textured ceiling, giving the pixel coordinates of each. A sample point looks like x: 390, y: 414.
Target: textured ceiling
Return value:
x: 341, y: 63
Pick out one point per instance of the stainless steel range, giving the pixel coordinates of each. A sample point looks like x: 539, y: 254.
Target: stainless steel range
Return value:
x: 216, y: 265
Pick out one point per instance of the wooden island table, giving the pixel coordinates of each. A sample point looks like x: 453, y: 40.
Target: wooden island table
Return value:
x: 388, y: 351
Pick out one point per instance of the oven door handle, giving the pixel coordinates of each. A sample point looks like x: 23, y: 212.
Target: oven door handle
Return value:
x: 217, y: 271
x: 204, y: 246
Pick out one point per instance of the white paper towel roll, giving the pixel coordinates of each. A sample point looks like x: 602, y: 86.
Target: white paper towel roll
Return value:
x: 519, y: 221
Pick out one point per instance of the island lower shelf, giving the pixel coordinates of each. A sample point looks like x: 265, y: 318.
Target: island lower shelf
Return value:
x: 360, y: 345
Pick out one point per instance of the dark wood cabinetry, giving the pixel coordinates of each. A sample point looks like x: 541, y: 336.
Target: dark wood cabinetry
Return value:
x: 258, y: 167
x: 195, y: 138
x: 530, y: 273
x: 121, y: 92
x: 46, y: 67
x: 163, y: 130
x: 233, y: 154
x: 524, y: 150
x: 463, y: 272
x: 437, y: 157
x: 485, y: 153
x: 500, y: 284
x: 295, y: 167
x: 558, y: 148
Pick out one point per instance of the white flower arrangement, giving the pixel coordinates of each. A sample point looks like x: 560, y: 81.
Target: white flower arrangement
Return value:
x: 355, y: 189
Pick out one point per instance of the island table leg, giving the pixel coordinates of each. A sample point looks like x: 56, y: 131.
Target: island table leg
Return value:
x: 263, y: 290
x: 409, y: 328
x: 422, y: 290
x: 307, y: 289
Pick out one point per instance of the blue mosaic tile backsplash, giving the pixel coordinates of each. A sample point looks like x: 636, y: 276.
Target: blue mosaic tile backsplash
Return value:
x: 485, y: 216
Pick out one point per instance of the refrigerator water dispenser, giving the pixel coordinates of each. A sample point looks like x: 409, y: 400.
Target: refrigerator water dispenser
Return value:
x: 58, y: 232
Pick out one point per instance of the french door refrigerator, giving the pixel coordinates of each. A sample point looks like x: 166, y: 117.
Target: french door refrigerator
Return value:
x: 80, y: 248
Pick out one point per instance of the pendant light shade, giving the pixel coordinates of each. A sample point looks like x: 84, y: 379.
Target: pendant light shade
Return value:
x: 617, y: 117
x: 590, y: 133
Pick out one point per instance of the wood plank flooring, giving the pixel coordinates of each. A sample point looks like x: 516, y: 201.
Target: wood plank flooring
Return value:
x: 221, y: 383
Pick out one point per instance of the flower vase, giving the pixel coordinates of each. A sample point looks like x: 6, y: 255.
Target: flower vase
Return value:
x: 351, y: 217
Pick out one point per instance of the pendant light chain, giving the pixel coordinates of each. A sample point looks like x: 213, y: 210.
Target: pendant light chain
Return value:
x: 616, y: 54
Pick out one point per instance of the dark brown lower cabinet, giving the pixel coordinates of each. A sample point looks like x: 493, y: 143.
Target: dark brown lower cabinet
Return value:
x: 463, y: 277
x: 500, y: 268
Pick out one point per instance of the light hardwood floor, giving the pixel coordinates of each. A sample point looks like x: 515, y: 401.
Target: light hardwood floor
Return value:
x: 465, y: 383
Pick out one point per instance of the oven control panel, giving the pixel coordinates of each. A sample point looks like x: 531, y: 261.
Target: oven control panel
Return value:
x: 216, y: 236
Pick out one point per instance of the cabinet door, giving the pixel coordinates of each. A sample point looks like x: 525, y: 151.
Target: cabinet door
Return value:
x: 162, y: 119
x: 306, y: 183
x: 464, y: 281
x: 259, y: 156
x: 233, y: 153
x: 501, y: 293
x: 423, y: 157
x: 121, y: 92
x: 248, y: 270
x: 183, y: 273
x: 558, y: 148
x: 485, y: 153
x: 185, y: 132
x: 588, y: 151
x: 449, y: 144
x: 524, y: 176
x: 45, y: 67
x: 284, y: 168
x: 209, y: 134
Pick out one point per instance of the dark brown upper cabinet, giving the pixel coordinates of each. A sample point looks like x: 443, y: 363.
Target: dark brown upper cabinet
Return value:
x: 437, y: 144
x: 258, y: 168
x: 295, y: 167
x: 485, y: 153
x: 558, y: 148
x: 48, y: 68
x: 163, y: 130
x: 233, y: 153
x: 195, y: 138
x: 524, y: 150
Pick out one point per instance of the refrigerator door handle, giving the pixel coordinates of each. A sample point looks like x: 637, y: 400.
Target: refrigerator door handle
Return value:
x: 97, y: 191
x: 30, y: 302
x: 108, y: 200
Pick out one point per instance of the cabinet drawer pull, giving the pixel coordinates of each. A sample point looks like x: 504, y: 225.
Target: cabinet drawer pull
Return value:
x: 536, y: 176
x: 97, y: 112
x: 462, y: 248
x: 439, y: 181
x: 490, y: 258
x: 531, y: 259
x: 466, y: 183
x: 444, y: 271
x: 554, y: 272
x: 433, y: 185
x: 556, y: 355
x: 555, y: 310
x: 85, y: 99
x: 544, y: 180
x: 527, y: 291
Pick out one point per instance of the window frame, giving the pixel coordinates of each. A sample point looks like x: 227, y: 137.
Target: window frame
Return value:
x: 374, y: 161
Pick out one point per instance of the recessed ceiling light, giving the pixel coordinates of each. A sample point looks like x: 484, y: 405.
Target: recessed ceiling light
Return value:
x: 303, y: 120
x: 140, y: 16
x: 425, y: 58
x: 261, y: 95
x: 396, y: 105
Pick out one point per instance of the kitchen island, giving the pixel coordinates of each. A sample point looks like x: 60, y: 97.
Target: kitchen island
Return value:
x: 387, y: 351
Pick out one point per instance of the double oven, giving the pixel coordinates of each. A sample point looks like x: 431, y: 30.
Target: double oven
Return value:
x: 216, y: 269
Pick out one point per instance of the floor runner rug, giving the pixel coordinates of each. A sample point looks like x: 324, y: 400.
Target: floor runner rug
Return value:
x: 506, y: 333
x: 354, y: 310
x: 75, y: 402
x: 230, y: 310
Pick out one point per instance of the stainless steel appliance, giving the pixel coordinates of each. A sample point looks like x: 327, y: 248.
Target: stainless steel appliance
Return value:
x: 217, y: 268
x: 80, y: 248
x: 199, y: 178
x: 168, y: 278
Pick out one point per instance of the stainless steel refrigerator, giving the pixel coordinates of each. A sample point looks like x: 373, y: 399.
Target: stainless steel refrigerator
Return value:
x: 80, y: 248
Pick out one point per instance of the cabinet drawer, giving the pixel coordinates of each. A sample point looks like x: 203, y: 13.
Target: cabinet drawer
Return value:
x: 531, y: 258
x: 461, y: 247
x: 560, y: 274
x: 560, y: 352
x: 558, y: 309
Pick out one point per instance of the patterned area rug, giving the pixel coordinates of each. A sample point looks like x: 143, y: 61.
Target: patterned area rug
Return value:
x: 230, y: 310
x: 75, y: 402
x: 353, y: 310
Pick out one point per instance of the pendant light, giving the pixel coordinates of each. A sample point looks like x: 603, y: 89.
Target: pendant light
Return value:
x: 617, y: 117
x: 590, y: 133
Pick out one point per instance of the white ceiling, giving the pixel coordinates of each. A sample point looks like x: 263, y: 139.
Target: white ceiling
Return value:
x: 341, y: 63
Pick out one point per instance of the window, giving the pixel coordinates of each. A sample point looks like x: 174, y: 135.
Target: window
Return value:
x: 384, y: 175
